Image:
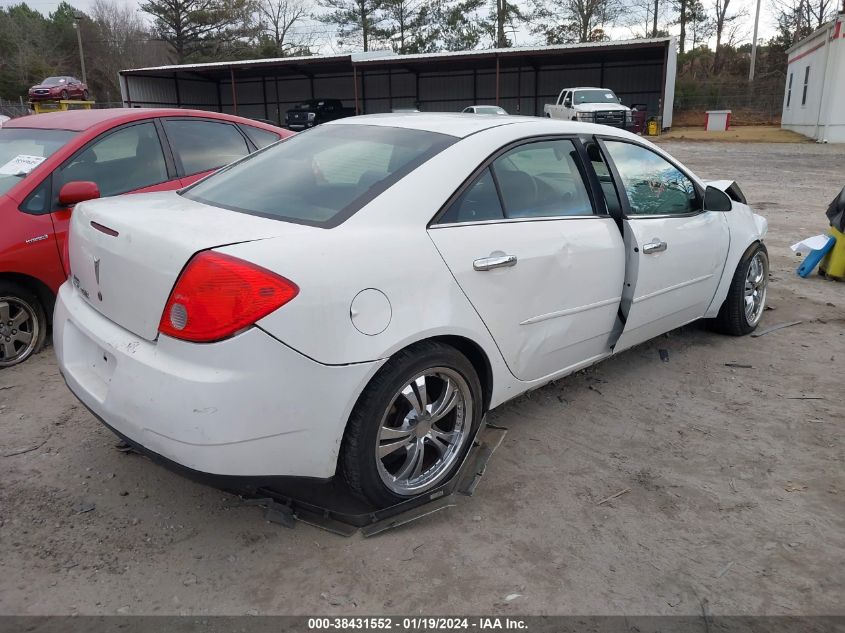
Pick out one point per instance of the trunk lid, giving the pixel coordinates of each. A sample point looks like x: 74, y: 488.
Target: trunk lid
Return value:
x: 127, y: 252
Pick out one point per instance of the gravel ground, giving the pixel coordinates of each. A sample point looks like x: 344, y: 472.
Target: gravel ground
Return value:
x: 736, y: 501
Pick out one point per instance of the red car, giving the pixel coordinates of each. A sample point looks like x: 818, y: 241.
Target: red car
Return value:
x: 59, y: 88
x: 50, y: 162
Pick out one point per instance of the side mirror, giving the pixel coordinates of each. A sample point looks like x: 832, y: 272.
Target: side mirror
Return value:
x: 78, y: 191
x: 567, y: 103
x: 716, y: 200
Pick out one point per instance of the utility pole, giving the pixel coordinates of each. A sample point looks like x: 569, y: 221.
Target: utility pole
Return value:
x: 754, y: 44
x: 656, y: 9
x: 77, y: 17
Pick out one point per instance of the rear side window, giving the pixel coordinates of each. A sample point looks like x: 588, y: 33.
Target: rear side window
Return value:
x: 203, y: 145
x: 322, y: 176
x: 128, y: 159
x: 479, y: 202
x: 542, y: 180
x: 261, y: 138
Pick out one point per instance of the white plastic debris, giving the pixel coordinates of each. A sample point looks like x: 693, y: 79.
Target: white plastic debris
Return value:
x: 810, y: 244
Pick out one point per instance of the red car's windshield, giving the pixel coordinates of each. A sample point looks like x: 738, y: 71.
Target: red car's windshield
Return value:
x: 23, y: 149
x: 53, y: 81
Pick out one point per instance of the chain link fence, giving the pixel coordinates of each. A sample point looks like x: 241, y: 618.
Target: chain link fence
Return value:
x: 746, y: 109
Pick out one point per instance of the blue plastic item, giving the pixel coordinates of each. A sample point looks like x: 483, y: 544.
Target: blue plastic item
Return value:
x: 814, y: 257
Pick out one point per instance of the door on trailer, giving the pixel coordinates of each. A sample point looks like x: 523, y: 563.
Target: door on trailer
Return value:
x: 675, y: 250
x: 543, y: 269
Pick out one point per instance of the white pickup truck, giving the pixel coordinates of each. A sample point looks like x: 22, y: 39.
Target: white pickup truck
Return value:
x: 592, y: 105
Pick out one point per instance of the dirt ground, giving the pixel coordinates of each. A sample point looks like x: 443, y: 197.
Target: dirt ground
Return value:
x: 736, y: 500
x: 743, y: 134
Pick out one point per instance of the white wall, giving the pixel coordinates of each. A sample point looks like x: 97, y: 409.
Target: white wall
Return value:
x: 818, y: 114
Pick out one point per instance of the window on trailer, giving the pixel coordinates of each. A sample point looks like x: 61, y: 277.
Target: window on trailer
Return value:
x: 789, y: 90
x: 806, y: 83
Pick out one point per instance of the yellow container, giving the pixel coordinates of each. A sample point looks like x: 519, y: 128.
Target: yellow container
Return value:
x: 833, y: 264
x: 652, y: 127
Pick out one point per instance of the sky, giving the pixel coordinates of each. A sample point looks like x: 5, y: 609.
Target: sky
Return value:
x: 523, y: 37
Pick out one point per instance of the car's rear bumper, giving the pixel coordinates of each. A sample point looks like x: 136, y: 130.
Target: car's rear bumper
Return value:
x: 248, y: 406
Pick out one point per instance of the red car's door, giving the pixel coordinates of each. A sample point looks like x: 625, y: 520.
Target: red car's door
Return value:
x: 128, y: 159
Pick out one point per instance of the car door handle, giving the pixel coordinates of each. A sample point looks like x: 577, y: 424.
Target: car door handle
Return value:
x: 489, y: 263
x: 655, y: 246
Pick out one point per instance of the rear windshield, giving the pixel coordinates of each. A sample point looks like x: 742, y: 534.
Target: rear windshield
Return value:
x: 23, y: 149
x: 320, y: 177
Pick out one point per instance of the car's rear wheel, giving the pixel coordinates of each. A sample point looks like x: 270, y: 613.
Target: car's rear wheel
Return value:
x: 23, y: 324
x: 412, y: 425
x: 743, y: 307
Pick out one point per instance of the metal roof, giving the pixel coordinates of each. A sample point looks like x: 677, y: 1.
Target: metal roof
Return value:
x: 374, y: 58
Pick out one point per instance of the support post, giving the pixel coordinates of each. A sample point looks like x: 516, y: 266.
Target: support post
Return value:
x: 497, y: 80
x: 355, y: 83
x: 278, y: 105
x: 178, y: 96
x: 264, y: 92
x: 234, y: 91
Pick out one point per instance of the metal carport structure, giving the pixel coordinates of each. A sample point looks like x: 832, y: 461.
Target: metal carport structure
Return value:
x: 641, y: 72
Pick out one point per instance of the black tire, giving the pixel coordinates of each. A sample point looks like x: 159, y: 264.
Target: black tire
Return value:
x: 17, y: 301
x: 359, y: 462
x: 64, y: 95
x: 85, y: 95
x: 732, y: 318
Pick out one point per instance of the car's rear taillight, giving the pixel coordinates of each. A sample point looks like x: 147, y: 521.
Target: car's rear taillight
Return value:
x: 218, y: 295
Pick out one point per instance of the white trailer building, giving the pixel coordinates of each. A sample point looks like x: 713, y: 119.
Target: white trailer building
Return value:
x: 815, y: 84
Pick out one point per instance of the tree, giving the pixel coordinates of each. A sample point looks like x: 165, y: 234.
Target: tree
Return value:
x: 116, y: 38
x: 357, y: 21
x: 199, y: 29
x: 503, y: 17
x: 722, y: 23
x: 567, y: 21
x: 458, y: 28
x: 276, y: 22
x: 409, y: 25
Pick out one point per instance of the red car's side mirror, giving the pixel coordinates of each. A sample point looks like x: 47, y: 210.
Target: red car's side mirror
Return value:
x: 78, y: 191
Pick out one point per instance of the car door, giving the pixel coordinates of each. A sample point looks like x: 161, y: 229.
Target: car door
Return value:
x: 128, y: 159
x: 543, y: 270
x: 675, y: 250
x: 568, y: 111
x: 201, y: 146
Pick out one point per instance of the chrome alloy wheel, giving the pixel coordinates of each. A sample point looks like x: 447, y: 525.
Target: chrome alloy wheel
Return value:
x: 18, y: 330
x: 424, y: 430
x: 756, y: 282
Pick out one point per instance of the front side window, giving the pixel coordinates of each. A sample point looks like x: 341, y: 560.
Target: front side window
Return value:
x: 652, y: 184
x: 23, y: 149
x: 320, y: 177
x: 542, y: 179
x: 204, y: 145
x: 125, y: 160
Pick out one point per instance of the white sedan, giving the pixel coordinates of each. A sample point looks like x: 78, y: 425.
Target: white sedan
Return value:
x: 352, y: 300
